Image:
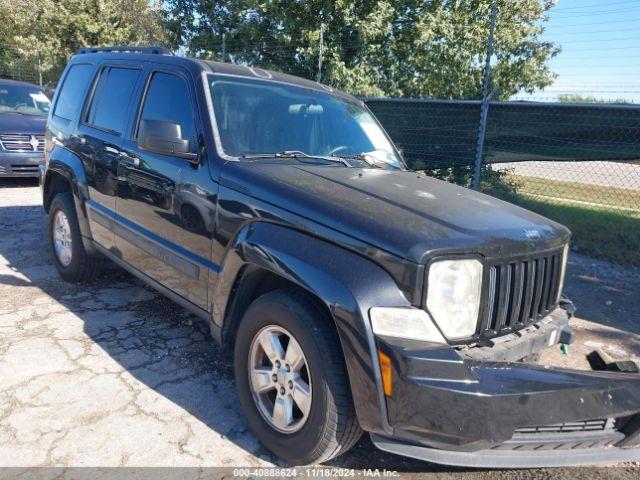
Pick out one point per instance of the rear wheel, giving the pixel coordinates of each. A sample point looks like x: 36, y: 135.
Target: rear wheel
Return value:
x: 73, y: 262
x: 292, y: 381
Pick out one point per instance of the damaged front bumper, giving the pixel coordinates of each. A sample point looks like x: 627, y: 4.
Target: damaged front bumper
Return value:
x: 480, y: 407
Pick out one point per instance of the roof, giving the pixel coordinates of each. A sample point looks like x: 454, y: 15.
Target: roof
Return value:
x: 206, y: 66
x: 256, y: 72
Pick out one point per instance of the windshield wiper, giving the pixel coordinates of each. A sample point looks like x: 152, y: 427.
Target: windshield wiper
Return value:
x: 297, y: 155
x: 368, y: 159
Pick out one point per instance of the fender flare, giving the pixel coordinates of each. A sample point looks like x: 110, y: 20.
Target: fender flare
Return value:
x: 67, y: 164
x: 345, y: 282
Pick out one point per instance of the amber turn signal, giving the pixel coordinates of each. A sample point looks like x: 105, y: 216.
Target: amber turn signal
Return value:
x: 385, y: 370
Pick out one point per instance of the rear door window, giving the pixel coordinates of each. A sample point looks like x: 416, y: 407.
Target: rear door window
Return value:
x: 74, y: 87
x: 111, y: 97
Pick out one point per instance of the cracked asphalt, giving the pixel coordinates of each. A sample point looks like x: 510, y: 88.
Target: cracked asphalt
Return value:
x: 113, y: 374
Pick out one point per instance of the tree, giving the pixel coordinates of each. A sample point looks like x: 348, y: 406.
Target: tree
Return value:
x: 576, y: 98
x: 48, y: 32
x: 401, y: 48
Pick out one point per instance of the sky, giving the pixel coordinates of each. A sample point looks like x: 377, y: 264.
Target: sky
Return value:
x: 600, y: 54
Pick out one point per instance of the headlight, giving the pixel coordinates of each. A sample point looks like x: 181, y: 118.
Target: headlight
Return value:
x: 565, y: 257
x: 453, y: 296
x: 411, y: 323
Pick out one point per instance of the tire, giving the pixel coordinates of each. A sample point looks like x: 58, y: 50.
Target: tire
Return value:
x: 82, y: 266
x: 331, y: 426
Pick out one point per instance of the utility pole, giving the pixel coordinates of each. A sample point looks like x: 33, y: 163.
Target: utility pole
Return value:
x: 319, y: 75
x: 484, y: 108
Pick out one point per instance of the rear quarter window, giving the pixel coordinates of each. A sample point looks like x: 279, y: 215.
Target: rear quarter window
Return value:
x: 73, y: 90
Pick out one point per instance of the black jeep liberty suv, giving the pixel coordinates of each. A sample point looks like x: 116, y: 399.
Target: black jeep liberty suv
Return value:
x: 356, y: 295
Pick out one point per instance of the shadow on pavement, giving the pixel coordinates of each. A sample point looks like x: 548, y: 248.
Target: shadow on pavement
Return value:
x: 604, y: 293
x: 155, y: 340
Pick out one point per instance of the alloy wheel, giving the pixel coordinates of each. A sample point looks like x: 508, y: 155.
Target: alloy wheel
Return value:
x: 279, y: 379
x: 62, y: 240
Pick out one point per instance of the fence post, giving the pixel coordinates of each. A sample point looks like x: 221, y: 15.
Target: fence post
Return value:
x: 484, y: 108
x: 224, y: 48
x: 319, y: 75
x: 39, y: 71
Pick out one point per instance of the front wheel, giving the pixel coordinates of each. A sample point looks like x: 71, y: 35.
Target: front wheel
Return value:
x: 292, y: 381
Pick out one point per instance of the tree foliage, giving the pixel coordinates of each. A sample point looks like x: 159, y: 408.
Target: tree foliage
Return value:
x: 48, y: 32
x: 400, y: 48
x: 576, y: 98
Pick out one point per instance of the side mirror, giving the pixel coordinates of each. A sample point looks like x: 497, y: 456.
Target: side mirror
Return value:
x: 165, y: 137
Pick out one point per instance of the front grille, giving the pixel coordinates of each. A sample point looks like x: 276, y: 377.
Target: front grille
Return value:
x: 22, y: 142
x: 519, y: 293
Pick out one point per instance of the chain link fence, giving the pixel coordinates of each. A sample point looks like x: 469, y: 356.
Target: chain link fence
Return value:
x: 15, y: 64
x: 588, y: 154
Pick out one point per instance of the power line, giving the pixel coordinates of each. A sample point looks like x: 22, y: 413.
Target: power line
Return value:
x: 567, y: 56
x: 591, y: 32
x: 599, y: 41
x: 600, y: 12
x: 593, y: 5
x: 610, y: 22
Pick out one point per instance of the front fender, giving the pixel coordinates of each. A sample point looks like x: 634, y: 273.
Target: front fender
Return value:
x: 348, y: 284
x: 67, y: 164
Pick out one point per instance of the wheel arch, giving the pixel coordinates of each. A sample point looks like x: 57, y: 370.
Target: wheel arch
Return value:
x: 65, y: 172
x: 251, y: 282
x: 267, y: 256
x: 54, y: 183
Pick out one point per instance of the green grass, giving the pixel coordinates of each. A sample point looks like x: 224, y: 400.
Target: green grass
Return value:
x: 603, y: 233
x: 619, y: 197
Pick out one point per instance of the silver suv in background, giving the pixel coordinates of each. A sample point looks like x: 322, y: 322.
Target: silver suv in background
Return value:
x: 23, y: 117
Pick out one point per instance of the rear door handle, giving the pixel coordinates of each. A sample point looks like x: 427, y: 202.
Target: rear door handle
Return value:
x: 128, y: 160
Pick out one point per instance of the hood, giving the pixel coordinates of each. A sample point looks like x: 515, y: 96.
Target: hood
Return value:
x: 404, y: 213
x: 17, y: 123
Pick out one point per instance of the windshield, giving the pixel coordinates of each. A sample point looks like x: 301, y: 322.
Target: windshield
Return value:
x: 261, y: 117
x: 23, y: 99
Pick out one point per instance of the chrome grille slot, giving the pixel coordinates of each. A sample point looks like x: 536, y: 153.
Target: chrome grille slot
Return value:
x: 24, y: 168
x: 519, y: 293
x: 40, y: 139
x: 22, y: 142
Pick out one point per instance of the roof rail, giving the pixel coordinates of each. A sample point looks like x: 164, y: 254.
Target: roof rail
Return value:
x: 125, y: 49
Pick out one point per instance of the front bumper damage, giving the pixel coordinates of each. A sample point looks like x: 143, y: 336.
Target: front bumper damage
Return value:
x: 480, y: 407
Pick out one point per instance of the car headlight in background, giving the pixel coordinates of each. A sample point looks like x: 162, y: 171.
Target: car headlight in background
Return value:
x: 411, y: 323
x: 453, y: 296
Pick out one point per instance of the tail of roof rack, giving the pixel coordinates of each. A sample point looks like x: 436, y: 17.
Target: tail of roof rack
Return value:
x: 125, y: 49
